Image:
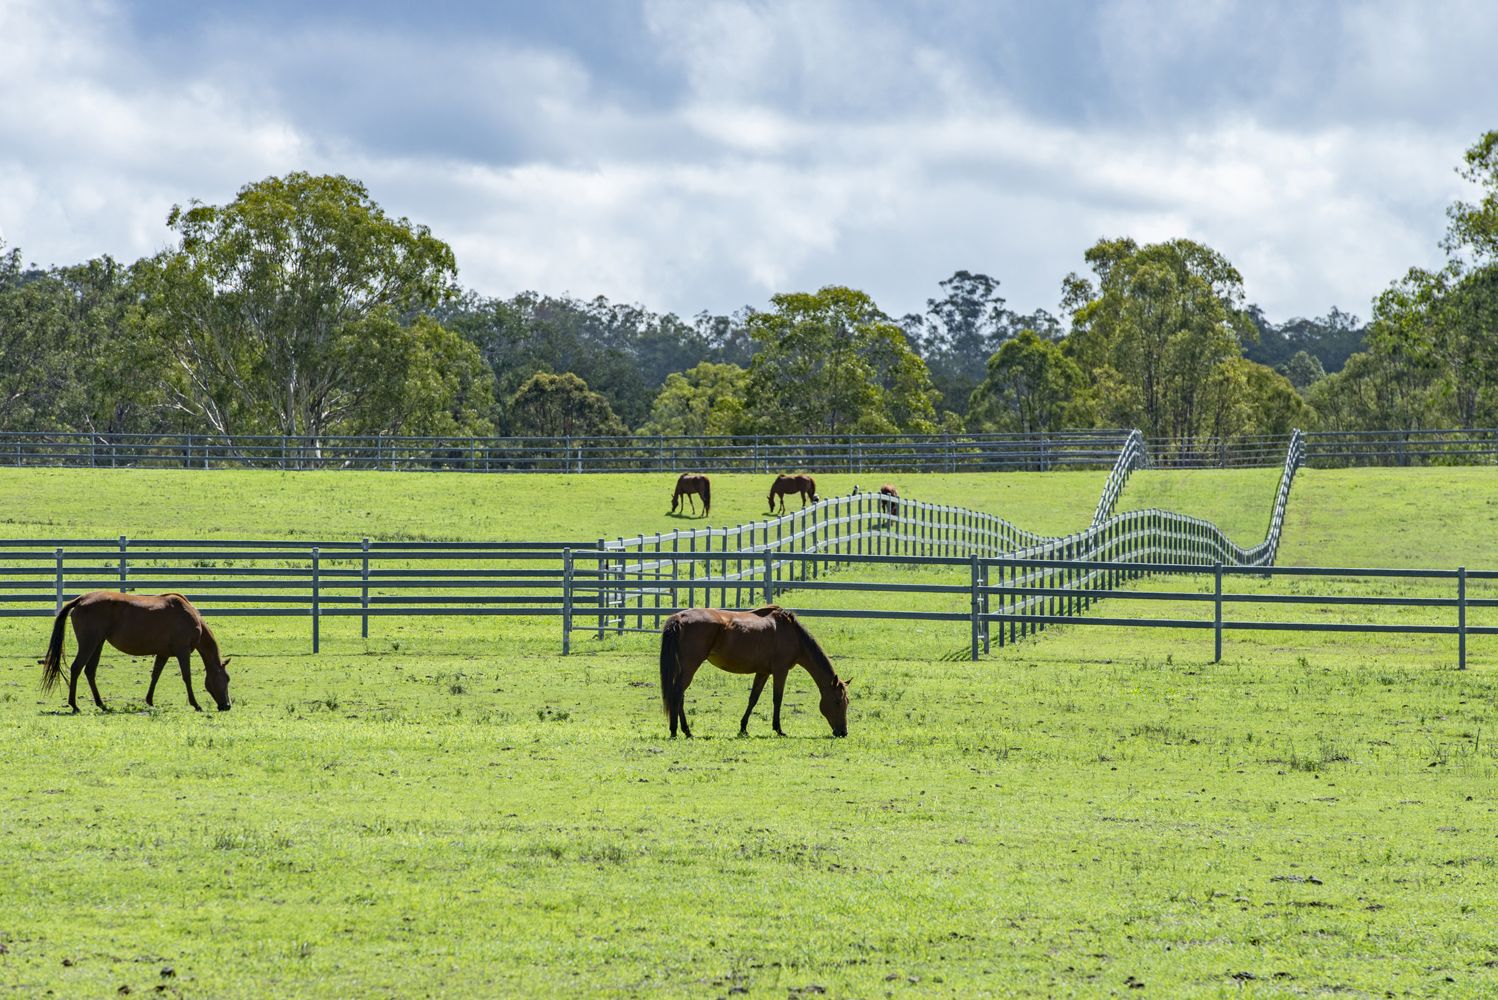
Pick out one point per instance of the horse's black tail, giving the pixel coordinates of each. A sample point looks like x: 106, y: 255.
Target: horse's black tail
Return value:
x: 52, y: 662
x: 670, y: 665
x: 707, y: 496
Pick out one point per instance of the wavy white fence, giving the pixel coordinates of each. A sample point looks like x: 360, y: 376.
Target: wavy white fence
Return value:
x: 754, y: 561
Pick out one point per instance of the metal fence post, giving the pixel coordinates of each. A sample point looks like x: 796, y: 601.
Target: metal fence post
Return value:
x: 983, y: 599
x: 124, y: 565
x: 599, y: 584
x: 58, y: 608
x: 973, y: 571
x: 566, y: 601
x: 364, y: 593
x: 622, y: 564
x: 1217, y: 614
x: 1461, y: 618
x: 316, y: 604
x: 769, y: 576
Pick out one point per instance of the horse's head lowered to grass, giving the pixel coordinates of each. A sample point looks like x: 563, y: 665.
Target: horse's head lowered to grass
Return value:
x: 834, y: 706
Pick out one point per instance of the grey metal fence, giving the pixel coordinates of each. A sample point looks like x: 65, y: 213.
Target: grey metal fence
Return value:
x: 1016, y: 582
x: 317, y: 579
x: 997, y: 599
x: 813, y: 453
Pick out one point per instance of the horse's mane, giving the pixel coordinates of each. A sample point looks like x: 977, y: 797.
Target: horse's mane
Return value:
x: 208, y: 643
x: 818, y: 655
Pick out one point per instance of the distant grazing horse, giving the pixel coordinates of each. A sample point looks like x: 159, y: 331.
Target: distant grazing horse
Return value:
x: 765, y: 642
x: 137, y: 625
x: 688, y: 484
x: 889, y: 500
x: 783, y: 485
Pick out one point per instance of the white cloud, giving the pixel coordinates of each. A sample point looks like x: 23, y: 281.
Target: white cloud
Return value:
x: 807, y: 144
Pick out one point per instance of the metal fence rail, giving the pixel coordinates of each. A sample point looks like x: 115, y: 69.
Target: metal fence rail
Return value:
x: 320, y: 579
x: 1133, y: 455
x: 813, y: 453
x: 999, y: 599
x: 764, y: 454
x: 1009, y: 598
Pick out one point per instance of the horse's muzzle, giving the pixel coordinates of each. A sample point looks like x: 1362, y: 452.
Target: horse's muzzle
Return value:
x: 839, y: 734
x: 223, y: 708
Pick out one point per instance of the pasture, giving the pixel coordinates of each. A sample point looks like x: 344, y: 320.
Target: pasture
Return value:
x: 452, y: 808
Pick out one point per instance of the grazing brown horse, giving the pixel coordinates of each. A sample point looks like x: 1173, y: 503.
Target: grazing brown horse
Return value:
x: 889, y: 499
x: 766, y: 642
x: 689, y: 484
x: 783, y: 485
x: 137, y: 625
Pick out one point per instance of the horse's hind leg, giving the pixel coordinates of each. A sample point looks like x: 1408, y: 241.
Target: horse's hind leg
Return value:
x: 759, y: 685
x: 87, y: 651
x: 687, y: 673
x: 155, y: 676
x: 91, y: 668
x: 186, y: 661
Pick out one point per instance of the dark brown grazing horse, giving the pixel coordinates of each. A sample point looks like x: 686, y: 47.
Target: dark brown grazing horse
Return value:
x: 889, y: 499
x: 783, y: 485
x: 689, y: 484
x: 137, y: 625
x: 766, y: 642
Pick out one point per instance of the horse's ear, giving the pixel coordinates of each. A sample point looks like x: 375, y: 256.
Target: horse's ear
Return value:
x: 225, y: 661
x: 847, y: 680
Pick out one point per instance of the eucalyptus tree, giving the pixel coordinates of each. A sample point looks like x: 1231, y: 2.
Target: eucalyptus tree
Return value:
x: 831, y: 362
x: 300, y: 308
x: 1155, y: 332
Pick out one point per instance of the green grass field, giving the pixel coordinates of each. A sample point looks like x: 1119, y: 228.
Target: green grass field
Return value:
x: 451, y: 808
x: 82, y: 503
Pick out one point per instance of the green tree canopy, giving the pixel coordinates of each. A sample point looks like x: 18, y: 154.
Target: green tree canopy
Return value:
x: 706, y: 399
x: 1472, y: 227
x: 1432, y: 357
x: 1156, y: 331
x: 1031, y: 385
x: 831, y: 362
x: 562, y: 405
x: 275, y: 305
x: 1303, y: 369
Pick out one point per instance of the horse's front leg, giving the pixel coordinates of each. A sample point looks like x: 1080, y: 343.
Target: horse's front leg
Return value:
x: 186, y: 662
x: 779, y: 693
x: 155, y: 676
x: 759, y: 685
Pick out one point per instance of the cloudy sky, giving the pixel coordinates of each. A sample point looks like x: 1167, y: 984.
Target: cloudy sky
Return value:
x: 696, y: 154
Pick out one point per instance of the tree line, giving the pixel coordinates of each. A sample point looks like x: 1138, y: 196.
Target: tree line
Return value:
x: 302, y: 308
